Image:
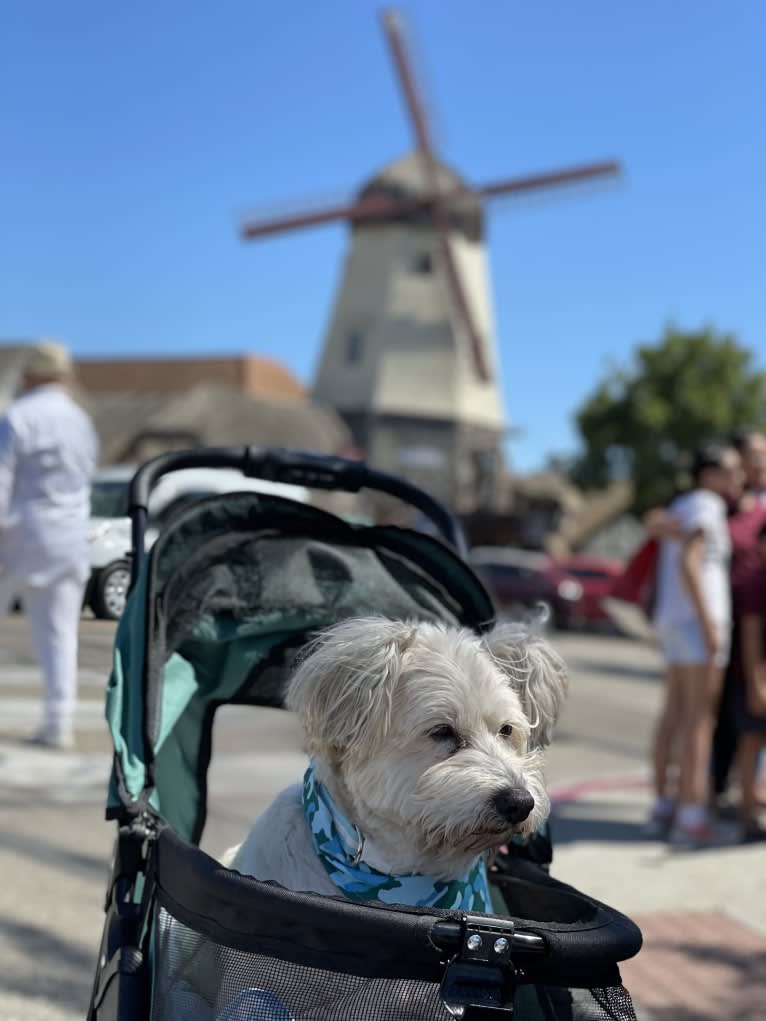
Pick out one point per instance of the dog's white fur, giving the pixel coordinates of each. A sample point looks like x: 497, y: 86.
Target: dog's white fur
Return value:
x: 408, y: 724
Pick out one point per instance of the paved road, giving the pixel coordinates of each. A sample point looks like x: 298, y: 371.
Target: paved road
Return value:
x: 54, y: 846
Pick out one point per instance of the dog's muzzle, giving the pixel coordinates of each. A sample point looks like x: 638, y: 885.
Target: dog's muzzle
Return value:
x: 513, y: 804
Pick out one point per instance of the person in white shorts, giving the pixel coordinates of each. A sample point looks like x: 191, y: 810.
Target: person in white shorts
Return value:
x: 692, y: 618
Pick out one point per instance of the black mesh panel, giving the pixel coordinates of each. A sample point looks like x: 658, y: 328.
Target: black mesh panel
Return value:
x: 229, y: 948
x: 199, y: 980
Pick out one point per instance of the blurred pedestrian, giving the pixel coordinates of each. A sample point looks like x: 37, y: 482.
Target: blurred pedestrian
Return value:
x: 749, y: 691
x: 751, y: 444
x: 48, y: 452
x: 745, y: 521
x: 692, y: 618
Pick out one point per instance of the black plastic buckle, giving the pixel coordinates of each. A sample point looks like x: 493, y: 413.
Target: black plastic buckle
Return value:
x: 133, y: 840
x: 131, y: 854
x: 480, y: 980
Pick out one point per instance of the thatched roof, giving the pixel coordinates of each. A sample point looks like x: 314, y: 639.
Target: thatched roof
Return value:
x: 596, y: 511
x: 133, y: 426
x: 548, y: 487
x: 599, y: 509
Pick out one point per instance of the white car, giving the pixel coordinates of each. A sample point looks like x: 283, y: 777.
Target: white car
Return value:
x: 109, y: 532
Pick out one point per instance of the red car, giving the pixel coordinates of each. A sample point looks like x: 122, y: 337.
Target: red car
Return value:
x: 521, y: 580
x: 595, y: 575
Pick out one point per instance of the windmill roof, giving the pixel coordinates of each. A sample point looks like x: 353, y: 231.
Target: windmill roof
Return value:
x: 406, y: 179
x: 409, y: 174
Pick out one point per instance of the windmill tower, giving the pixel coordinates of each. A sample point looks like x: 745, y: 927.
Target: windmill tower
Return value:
x: 398, y: 362
x: 410, y: 358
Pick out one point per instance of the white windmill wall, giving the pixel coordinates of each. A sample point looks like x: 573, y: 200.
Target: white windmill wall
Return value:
x: 412, y: 355
x: 397, y: 361
x: 479, y: 402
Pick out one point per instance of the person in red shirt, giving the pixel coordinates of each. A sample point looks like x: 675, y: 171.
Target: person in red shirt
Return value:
x: 745, y: 523
x: 749, y: 690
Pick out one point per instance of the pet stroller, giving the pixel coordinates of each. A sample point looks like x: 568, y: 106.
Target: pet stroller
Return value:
x: 217, y: 613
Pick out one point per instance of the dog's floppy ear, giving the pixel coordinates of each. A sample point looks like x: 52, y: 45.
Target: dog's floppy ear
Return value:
x: 342, y: 691
x: 537, y: 673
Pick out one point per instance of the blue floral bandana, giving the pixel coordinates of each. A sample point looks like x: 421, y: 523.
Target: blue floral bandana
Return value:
x: 339, y: 846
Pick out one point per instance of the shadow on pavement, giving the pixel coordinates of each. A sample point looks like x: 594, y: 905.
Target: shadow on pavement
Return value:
x: 581, y: 821
x: 567, y: 829
x: 32, y: 847
x: 52, y: 969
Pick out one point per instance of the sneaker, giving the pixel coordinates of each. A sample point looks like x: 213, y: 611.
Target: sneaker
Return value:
x: 61, y: 741
x: 753, y: 833
x: 658, y: 825
x: 699, y: 835
x: 725, y: 807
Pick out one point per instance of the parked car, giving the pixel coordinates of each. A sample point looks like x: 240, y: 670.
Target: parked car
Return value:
x: 521, y: 580
x: 595, y: 575
x: 109, y: 529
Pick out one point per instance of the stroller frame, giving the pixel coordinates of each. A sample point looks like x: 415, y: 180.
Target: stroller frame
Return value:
x: 478, y: 960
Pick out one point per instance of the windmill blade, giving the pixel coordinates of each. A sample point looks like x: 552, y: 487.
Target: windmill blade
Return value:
x: 371, y: 208
x: 392, y: 26
x: 375, y: 206
x: 552, y: 179
x: 457, y: 291
x: 308, y: 218
x: 518, y: 185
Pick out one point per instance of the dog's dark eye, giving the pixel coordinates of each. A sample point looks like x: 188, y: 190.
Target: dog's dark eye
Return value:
x: 506, y: 730
x: 443, y: 733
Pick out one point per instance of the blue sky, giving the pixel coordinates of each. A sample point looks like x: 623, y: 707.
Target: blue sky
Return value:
x: 135, y: 135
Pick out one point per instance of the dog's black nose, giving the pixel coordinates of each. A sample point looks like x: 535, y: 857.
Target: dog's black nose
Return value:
x: 513, y: 803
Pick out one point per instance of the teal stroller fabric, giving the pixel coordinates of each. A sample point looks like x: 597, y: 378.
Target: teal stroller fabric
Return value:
x: 232, y: 591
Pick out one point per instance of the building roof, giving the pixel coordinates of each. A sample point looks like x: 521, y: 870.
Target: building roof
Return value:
x: 253, y: 374
x: 134, y: 425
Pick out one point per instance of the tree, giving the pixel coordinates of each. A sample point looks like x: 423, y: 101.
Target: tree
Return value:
x: 690, y: 388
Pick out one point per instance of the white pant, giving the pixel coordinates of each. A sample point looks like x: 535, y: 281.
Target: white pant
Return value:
x: 53, y: 612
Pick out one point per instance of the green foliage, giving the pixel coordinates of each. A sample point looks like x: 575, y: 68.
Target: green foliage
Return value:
x: 689, y: 388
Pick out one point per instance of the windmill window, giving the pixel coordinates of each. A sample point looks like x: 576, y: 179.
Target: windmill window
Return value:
x: 423, y: 263
x: 354, y: 348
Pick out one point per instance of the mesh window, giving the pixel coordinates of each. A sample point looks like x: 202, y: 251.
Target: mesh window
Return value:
x: 198, y: 980
x: 611, y: 1004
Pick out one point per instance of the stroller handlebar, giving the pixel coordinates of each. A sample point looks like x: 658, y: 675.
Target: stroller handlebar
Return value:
x: 293, y: 467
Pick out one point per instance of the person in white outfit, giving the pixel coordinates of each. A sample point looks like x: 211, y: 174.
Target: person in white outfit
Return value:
x: 692, y: 618
x: 48, y: 453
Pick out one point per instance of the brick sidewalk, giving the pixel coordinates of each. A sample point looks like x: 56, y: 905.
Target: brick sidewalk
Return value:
x: 698, y: 966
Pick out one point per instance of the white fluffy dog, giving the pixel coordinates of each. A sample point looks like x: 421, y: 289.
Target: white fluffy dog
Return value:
x: 429, y: 742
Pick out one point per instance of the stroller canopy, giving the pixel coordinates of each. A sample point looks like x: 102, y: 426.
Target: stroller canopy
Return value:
x: 232, y: 589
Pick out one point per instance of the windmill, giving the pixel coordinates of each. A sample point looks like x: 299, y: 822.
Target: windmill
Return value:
x: 409, y: 359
